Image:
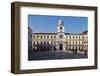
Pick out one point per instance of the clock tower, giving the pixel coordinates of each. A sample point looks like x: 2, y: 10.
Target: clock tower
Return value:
x: 60, y: 35
x: 60, y: 30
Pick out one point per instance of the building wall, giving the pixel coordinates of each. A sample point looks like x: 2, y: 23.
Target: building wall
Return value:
x: 29, y: 38
x: 49, y: 42
x: 44, y: 42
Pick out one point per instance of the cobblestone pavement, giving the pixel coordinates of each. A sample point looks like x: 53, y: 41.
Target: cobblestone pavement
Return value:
x: 50, y: 55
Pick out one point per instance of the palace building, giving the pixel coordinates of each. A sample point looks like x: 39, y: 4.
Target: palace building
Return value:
x: 60, y: 40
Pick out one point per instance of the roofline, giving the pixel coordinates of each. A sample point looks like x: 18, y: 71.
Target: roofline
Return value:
x: 56, y: 33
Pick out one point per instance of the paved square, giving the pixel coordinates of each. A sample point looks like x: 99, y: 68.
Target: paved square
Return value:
x: 50, y: 55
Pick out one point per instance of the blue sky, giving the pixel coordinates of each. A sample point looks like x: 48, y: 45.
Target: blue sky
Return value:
x: 72, y: 24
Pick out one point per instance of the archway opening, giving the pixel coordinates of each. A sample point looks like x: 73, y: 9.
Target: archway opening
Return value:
x: 60, y: 46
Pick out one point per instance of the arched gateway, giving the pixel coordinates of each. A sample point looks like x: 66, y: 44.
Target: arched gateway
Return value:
x: 60, y: 46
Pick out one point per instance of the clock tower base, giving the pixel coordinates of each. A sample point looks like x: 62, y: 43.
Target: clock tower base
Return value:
x: 61, y: 46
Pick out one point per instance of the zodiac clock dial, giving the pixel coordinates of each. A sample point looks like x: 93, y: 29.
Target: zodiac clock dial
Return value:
x: 61, y: 36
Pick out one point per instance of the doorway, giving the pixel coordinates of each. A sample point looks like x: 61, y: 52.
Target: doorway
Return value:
x: 60, y: 46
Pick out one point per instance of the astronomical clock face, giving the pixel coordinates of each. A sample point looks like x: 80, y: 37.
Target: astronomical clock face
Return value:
x: 61, y: 36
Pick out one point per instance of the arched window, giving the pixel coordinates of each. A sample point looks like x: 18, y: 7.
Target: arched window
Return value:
x: 69, y: 37
x: 79, y: 37
x: 51, y: 36
x: 41, y: 43
x: 37, y: 42
x: 76, y: 42
x: 54, y: 42
x: 76, y: 37
x: 44, y: 36
x: 54, y: 36
x: 41, y: 36
x: 47, y: 42
x: 34, y: 43
x: 34, y: 37
x: 60, y: 28
x: 73, y: 37
x: 44, y: 43
x: 47, y: 36
x: 37, y: 37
